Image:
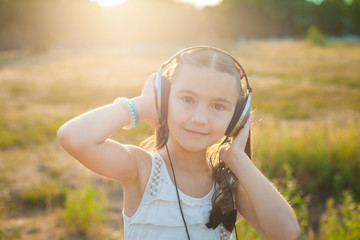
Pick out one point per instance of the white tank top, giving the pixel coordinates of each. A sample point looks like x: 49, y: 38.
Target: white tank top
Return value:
x: 158, y: 215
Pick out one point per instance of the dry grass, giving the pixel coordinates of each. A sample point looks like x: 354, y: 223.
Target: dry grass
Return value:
x: 294, y: 84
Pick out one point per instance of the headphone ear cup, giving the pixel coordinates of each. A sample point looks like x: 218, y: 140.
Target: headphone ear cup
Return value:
x: 236, y: 123
x: 162, y: 89
x: 158, y: 92
x: 165, y: 89
x: 242, y: 123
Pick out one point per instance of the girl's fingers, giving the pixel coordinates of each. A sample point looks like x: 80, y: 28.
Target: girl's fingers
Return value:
x: 149, y: 84
x: 148, y: 96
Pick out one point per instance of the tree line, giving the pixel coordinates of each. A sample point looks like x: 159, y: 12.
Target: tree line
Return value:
x: 40, y: 24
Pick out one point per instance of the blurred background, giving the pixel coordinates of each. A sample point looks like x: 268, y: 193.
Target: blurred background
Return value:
x: 40, y: 25
x: 61, y: 58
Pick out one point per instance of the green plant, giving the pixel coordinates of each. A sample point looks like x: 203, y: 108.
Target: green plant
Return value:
x: 2, y: 206
x: 45, y: 195
x: 24, y: 135
x: 315, y: 36
x: 9, y: 236
x: 246, y: 232
x: 342, y: 221
x: 325, y: 160
x: 288, y: 188
x: 84, y: 209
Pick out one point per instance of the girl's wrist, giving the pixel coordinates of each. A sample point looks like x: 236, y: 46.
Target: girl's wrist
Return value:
x: 235, y: 158
x: 138, y: 108
x: 131, y: 110
x: 139, y: 105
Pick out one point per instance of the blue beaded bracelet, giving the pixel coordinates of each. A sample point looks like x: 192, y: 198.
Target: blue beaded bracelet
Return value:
x: 134, y: 117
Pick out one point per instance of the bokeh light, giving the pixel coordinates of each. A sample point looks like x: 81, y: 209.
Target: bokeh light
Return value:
x: 109, y: 3
x: 202, y: 3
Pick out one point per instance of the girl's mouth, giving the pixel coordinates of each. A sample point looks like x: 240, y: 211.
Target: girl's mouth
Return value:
x: 195, y: 133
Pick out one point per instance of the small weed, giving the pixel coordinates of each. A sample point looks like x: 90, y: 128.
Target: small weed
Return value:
x: 315, y: 36
x: 342, y: 221
x: 351, y: 83
x: 324, y: 158
x: 47, y: 195
x: 84, y: 209
x: 245, y: 231
x: 2, y: 206
x: 9, y: 236
x: 27, y: 135
x: 288, y: 188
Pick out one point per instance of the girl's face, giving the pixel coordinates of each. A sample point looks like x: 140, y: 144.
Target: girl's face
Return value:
x: 201, y: 103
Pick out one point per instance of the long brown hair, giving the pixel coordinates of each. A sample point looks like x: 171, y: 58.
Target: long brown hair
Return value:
x: 225, y: 179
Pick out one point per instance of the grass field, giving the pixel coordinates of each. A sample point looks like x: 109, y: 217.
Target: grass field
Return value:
x: 305, y: 134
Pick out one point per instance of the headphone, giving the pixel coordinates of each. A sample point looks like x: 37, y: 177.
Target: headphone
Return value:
x: 162, y: 90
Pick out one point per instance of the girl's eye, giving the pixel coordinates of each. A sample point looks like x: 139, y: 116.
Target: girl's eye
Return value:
x: 218, y: 107
x: 187, y: 100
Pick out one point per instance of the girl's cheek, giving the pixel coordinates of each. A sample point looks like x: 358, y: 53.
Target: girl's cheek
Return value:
x: 177, y: 112
x: 222, y: 125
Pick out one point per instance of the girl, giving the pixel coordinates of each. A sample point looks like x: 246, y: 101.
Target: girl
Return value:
x: 195, y: 180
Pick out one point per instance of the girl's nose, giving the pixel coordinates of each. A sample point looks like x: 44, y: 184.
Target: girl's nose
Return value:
x: 199, y: 115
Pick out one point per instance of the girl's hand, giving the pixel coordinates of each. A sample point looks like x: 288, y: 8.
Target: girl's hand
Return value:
x: 146, y: 103
x: 236, y: 148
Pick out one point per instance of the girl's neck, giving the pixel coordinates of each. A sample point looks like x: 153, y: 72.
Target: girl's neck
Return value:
x: 185, y: 160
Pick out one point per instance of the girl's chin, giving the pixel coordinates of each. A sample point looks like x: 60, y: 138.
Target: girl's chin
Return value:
x: 192, y: 146
x: 195, y: 146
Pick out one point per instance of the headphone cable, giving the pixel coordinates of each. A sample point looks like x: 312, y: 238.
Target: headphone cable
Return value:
x: 232, y: 200
x: 177, y: 193
x: 178, y: 197
x: 227, y: 181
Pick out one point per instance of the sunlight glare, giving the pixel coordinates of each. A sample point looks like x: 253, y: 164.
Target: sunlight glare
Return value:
x: 196, y: 3
x: 109, y: 3
x: 202, y: 3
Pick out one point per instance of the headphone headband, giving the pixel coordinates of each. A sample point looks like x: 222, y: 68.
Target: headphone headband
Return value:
x: 189, y: 49
x: 241, y: 113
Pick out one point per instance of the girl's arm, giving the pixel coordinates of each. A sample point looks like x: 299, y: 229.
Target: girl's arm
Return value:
x: 257, y: 199
x: 86, y: 137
